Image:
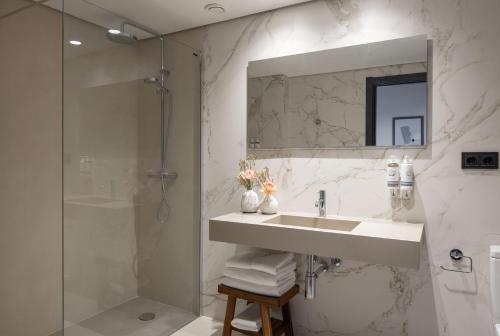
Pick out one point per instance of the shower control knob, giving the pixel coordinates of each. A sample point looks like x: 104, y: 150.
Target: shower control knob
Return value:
x: 337, y: 262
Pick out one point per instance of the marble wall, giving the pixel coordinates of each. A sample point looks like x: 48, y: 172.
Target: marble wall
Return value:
x: 459, y: 208
x: 315, y: 111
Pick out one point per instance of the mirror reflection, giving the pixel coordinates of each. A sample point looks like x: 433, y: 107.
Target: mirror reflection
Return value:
x: 366, y: 95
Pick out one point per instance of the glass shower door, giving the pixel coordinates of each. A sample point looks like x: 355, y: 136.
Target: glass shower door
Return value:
x: 131, y: 264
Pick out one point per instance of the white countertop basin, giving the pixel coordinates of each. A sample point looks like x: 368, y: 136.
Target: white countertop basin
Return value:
x: 370, y: 240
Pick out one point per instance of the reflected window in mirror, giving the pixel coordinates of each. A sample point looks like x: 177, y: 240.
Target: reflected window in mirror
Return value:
x: 396, y: 110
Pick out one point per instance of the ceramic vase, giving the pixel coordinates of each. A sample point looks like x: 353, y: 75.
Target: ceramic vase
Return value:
x: 249, y: 201
x: 269, y: 205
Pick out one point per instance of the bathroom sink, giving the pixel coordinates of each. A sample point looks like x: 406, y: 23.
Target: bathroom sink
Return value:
x: 314, y: 222
x: 371, y: 240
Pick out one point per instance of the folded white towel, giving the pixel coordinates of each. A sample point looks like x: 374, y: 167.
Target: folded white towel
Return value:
x: 259, y: 289
x: 259, y: 277
x: 250, y: 318
x: 291, y: 277
x: 270, y: 263
x: 243, y: 261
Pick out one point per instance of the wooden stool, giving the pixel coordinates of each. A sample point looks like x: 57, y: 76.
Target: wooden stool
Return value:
x: 270, y: 327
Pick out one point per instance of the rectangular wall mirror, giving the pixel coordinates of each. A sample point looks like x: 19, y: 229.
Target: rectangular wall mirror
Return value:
x: 365, y: 95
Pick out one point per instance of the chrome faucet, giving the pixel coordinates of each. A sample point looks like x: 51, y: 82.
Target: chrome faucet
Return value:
x: 321, y: 203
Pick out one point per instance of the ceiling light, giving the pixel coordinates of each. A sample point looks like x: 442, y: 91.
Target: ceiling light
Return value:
x: 114, y: 31
x: 215, y: 8
x: 75, y: 42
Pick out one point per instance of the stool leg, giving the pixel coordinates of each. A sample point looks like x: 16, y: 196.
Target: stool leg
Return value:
x: 287, y: 318
x: 267, y: 328
x: 230, y: 308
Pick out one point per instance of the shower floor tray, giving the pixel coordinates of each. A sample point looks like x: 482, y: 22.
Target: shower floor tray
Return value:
x: 123, y: 320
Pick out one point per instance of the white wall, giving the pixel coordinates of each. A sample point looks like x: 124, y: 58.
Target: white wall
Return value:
x: 460, y: 209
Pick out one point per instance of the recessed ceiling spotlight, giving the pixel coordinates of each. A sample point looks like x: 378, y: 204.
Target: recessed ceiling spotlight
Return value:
x: 215, y: 8
x: 75, y: 43
x: 114, y: 31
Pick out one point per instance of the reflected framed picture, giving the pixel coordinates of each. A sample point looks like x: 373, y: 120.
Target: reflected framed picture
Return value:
x: 408, y: 131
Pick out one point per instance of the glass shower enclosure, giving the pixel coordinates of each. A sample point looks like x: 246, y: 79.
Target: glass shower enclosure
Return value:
x: 131, y: 166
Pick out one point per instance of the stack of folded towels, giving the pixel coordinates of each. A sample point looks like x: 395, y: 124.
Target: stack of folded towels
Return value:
x: 266, y: 274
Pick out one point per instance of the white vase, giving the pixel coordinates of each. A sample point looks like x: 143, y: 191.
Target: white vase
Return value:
x: 269, y: 205
x: 249, y: 201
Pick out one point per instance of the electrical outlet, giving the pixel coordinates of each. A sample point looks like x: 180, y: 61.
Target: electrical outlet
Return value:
x: 480, y: 160
x: 489, y: 160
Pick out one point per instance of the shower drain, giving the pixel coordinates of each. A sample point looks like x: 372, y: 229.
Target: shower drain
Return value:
x: 147, y: 316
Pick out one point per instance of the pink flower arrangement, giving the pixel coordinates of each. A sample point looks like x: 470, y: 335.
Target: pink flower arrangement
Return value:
x: 247, y: 176
x: 268, y: 188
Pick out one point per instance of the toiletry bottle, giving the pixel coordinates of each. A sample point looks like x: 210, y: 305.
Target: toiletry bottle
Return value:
x: 407, y: 178
x: 392, y: 177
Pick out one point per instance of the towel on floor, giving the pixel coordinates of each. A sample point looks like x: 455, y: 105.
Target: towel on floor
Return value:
x: 270, y: 263
x: 250, y: 319
x: 261, y: 278
x: 259, y: 289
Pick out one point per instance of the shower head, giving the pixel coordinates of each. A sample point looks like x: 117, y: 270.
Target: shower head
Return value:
x: 120, y: 36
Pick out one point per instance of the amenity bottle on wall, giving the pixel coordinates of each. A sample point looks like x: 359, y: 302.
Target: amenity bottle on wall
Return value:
x: 407, y: 178
x: 392, y: 176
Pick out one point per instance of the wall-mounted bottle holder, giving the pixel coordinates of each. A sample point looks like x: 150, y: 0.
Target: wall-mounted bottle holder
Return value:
x: 400, y: 178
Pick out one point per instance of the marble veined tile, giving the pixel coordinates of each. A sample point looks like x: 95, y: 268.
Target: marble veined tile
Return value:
x: 459, y: 209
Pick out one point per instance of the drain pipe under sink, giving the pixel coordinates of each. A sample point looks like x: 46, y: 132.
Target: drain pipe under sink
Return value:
x: 312, y: 273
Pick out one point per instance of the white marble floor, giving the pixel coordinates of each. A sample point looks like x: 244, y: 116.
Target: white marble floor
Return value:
x: 123, y: 320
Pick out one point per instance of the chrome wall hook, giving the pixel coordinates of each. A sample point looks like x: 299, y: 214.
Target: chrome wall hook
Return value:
x: 457, y: 255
